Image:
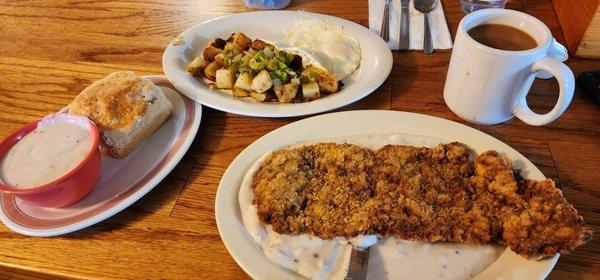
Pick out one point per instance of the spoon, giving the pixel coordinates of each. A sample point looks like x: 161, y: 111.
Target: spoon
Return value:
x: 426, y: 6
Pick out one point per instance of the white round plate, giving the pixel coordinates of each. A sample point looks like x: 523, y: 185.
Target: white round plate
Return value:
x: 122, y: 181
x: 375, y: 66
x: 249, y: 255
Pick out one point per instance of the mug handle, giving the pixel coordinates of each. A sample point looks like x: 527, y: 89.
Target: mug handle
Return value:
x: 566, y: 83
x: 556, y: 51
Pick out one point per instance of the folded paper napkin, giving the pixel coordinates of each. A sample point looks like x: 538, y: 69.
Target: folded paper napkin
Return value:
x: 437, y: 21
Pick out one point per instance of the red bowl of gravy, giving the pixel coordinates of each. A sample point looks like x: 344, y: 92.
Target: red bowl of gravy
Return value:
x: 51, y: 162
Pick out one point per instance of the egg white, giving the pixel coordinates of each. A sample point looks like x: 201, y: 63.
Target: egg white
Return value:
x: 325, y: 43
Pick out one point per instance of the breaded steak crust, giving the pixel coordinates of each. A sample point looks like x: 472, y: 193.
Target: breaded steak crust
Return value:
x: 426, y: 194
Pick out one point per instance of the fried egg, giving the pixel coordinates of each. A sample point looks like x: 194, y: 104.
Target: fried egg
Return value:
x: 326, y: 43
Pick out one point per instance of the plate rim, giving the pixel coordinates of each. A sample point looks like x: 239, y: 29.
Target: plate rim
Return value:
x: 230, y: 237
x: 226, y: 106
x: 135, y: 196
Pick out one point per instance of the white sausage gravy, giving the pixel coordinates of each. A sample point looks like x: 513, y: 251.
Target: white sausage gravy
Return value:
x: 45, y: 154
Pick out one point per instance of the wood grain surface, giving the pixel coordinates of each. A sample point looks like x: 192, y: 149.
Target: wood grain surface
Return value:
x: 589, y: 47
x: 51, y: 50
x: 575, y: 17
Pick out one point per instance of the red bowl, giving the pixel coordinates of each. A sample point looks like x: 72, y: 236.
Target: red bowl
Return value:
x: 69, y: 188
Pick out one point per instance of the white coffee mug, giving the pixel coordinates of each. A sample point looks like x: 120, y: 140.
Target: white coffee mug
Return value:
x: 487, y: 86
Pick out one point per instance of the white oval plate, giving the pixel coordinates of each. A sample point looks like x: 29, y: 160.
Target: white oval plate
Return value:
x: 249, y: 255
x: 375, y: 65
x: 122, y: 182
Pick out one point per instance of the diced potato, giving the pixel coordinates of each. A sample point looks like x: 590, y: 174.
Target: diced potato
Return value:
x: 277, y: 88
x: 327, y: 83
x: 196, y: 65
x: 310, y: 90
x: 220, y: 60
x: 262, y: 82
x: 210, y: 71
x: 312, y: 72
x: 231, y: 46
x: 260, y: 97
x: 291, y: 89
x: 238, y: 92
x: 258, y: 45
x: 242, y: 40
x: 210, y: 52
x: 225, y: 78
x: 286, y: 93
x: 244, y: 81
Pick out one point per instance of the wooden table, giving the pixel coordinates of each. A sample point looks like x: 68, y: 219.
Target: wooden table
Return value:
x: 51, y: 50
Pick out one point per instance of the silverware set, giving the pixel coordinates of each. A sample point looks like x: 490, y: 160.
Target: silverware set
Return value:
x: 423, y: 6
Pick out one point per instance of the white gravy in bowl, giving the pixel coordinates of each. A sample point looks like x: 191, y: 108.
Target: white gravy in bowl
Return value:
x: 45, y: 154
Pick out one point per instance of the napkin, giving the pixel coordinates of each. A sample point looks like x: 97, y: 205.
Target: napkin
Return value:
x: 437, y: 21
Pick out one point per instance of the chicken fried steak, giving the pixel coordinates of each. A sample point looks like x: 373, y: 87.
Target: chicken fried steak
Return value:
x: 423, y: 194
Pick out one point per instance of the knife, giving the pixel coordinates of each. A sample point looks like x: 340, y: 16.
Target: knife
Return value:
x: 359, y: 262
x: 404, y: 26
x: 385, y: 22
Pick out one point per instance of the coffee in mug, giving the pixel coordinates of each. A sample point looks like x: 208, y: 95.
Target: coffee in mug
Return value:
x: 496, y: 57
x: 502, y: 37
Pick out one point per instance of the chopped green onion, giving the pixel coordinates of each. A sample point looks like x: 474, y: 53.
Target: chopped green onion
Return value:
x: 227, y: 61
x: 304, y: 79
x: 243, y: 69
x: 281, y: 65
x: 289, y: 57
x: 282, y: 76
x: 259, y: 54
x: 268, y: 52
x: 255, y: 65
x: 272, y: 65
x: 237, y: 58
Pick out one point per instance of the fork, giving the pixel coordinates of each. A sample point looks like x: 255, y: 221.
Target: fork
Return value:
x: 404, y: 26
x: 385, y: 22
